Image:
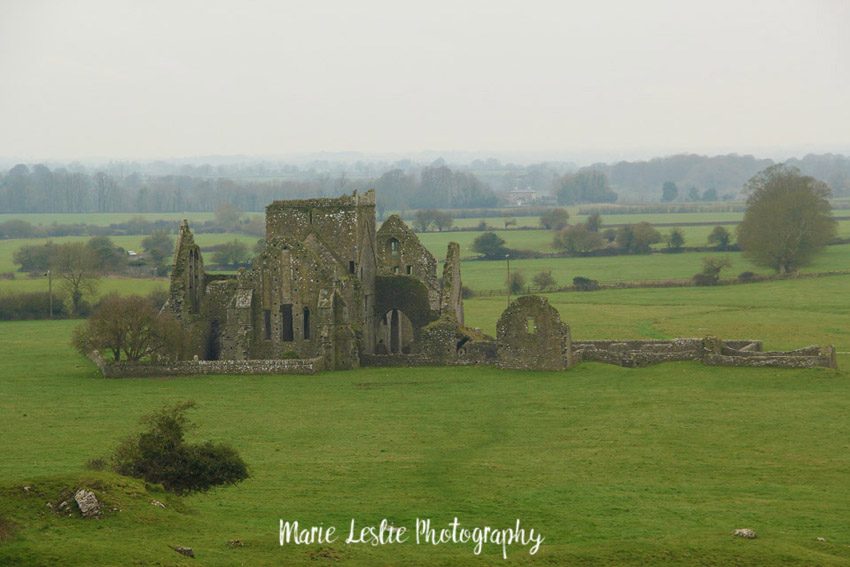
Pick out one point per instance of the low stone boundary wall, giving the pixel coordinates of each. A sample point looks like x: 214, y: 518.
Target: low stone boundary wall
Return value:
x: 638, y: 353
x: 807, y: 357
x: 710, y: 351
x: 200, y: 367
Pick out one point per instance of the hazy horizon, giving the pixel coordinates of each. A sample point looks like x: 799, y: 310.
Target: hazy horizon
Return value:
x: 102, y: 80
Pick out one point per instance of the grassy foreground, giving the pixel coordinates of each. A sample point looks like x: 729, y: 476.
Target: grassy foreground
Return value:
x: 613, y: 466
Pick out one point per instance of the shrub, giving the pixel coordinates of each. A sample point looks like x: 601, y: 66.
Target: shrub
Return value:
x: 466, y: 292
x: 555, y: 219
x: 704, y: 279
x: 232, y: 253
x: 96, y: 464
x: 577, y: 239
x: 711, y: 268
x: 747, y: 276
x: 637, y: 238
x: 490, y: 245
x: 585, y: 284
x: 516, y: 283
x: 720, y: 237
x: 131, y: 326
x: 32, y: 305
x: 544, y: 280
x: 676, y: 240
x: 161, y: 455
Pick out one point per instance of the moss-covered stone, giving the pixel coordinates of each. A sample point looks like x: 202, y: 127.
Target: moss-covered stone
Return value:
x: 531, y: 336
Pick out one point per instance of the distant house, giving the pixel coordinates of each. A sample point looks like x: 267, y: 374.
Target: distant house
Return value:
x: 521, y: 197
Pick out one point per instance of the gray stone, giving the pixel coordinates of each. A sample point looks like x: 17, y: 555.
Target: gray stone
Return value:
x: 182, y: 550
x: 745, y: 533
x: 87, y: 502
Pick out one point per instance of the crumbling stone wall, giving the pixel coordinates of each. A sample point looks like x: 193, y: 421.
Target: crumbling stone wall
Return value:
x: 531, y: 336
x: 200, y: 367
x: 188, y: 279
x: 808, y: 357
x: 709, y: 350
x: 451, y: 294
x: 400, y: 252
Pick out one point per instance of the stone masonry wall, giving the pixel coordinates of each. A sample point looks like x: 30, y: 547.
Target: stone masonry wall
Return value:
x: 198, y: 367
x: 531, y: 336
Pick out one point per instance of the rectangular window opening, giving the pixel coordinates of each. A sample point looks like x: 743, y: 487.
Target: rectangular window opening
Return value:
x: 267, y: 324
x: 287, y: 331
x: 306, y: 324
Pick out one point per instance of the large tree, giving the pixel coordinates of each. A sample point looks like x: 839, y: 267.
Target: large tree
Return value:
x: 555, y: 219
x: 585, y: 186
x: 490, y: 245
x: 131, y: 327
x: 669, y: 192
x: 637, y: 238
x: 159, y: 246
x: 577, y: 239
x: 76, y: 265
x: 788, y: 219
x: 231, y: 253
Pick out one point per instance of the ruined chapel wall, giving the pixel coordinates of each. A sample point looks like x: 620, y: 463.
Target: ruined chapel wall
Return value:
x: 401, y: 253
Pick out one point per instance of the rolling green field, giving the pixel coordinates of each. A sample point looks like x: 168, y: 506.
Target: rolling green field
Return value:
x: 491, y: 275
x: 613, y: 466
x: 785, y: 314
x: 482, y: 275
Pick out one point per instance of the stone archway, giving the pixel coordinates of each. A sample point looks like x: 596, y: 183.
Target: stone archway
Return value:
x: 396, y: 333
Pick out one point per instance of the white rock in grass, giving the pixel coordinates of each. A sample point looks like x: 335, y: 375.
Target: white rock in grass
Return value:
x: 87, y: 501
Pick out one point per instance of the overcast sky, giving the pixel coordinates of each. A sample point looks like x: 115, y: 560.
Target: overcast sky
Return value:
x: 150, y: 79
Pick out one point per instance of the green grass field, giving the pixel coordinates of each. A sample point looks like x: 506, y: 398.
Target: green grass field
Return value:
x: 490, y: 275
x: 613, y: 466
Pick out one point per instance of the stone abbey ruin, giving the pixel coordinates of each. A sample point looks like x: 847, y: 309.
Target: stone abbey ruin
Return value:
x: 331, y: 292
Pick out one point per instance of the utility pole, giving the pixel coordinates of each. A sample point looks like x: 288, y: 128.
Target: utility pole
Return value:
x: 50, y: 290
x: 508, y: 260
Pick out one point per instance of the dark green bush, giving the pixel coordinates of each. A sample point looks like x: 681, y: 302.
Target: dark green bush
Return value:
x: 161, y: 455
x: 704, y: 279
x: 747, y: 276
x: 585, y: 284
x: 32, y: 305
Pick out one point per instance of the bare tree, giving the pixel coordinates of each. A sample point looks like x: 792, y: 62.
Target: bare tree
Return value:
x: 76, y: 265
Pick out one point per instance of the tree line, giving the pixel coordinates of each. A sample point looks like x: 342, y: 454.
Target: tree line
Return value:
x: 39, y: 189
